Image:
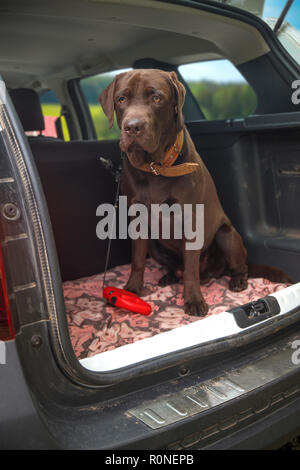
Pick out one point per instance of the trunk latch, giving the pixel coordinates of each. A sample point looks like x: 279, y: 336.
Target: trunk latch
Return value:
x: 255, y: 312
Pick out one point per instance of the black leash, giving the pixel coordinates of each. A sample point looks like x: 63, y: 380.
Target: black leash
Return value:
x: 117, y: 173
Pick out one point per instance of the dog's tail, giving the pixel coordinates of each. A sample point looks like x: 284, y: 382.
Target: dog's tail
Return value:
x: 268, y: 272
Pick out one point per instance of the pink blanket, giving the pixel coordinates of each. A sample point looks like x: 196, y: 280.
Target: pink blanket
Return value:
x: 95, y: 326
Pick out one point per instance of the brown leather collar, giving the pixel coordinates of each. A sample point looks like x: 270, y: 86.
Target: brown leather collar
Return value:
x: 166, y: 168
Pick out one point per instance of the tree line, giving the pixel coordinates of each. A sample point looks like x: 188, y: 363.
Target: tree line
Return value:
x: 216, y: 101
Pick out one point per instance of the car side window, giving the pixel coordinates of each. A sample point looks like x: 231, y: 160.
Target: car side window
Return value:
x: 51, y: 109
x: 219, y: 89
x: 91, y: 88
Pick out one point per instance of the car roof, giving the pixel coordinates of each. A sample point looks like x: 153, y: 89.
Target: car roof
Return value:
x: 65, y: 39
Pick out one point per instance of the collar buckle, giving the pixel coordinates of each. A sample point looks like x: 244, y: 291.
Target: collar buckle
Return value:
x: 154, y: 170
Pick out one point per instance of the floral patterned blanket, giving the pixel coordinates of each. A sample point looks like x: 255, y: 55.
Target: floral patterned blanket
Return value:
x: 95, y: 326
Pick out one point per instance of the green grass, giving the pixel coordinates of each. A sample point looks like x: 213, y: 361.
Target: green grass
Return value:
x: 217, y: 101
x: 101, y: 124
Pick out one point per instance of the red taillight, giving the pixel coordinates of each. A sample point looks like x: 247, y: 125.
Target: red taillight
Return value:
x: 6, y: 329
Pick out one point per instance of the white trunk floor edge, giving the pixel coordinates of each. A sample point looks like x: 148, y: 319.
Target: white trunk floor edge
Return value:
x: 196, y: 333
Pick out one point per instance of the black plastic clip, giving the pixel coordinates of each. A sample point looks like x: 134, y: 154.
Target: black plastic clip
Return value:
x: 109, y: 166
x: 255, y: 312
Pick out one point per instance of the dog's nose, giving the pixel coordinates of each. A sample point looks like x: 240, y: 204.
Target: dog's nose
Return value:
x: 134, y: 126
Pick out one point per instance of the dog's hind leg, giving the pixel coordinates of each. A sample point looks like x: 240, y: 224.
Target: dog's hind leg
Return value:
x: 168, y: 279
x: 168, y: 259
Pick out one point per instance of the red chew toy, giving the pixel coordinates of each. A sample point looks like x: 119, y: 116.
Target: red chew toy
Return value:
x: 125, y: 299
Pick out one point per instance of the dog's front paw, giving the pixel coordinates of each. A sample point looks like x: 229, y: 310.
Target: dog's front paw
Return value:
x: 238, y: 283
x: 196, y: 307
x: 135, y: 288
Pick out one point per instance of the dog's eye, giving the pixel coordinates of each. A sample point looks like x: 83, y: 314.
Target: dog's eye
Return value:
x: 122, y: 99
x: 156, y: 99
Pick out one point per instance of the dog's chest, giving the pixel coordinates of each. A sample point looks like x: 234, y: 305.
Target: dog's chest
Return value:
x: 148, y: 189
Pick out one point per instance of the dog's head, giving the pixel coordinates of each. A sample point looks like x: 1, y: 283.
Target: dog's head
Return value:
x: 148, y: 105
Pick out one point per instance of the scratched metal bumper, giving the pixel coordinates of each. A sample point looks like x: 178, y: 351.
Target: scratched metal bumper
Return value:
x: 206, y: 395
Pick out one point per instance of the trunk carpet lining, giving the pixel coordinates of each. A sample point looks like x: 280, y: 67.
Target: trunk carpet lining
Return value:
x: 95, y: 326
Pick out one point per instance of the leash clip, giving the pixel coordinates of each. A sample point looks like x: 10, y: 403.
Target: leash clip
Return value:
x: 127, y: 300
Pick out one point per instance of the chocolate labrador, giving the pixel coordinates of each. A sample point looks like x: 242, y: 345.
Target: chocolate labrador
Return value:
x: 162, y: 166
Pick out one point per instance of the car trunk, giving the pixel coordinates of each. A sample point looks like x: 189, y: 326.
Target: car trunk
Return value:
x: 255, y: 164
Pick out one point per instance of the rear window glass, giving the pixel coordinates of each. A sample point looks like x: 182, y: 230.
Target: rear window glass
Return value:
x: 219, y: 89
x: 91, y: 88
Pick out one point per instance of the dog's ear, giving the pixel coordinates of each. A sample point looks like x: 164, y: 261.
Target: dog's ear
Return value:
x: 180, y: 96
x: 107, y: 101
